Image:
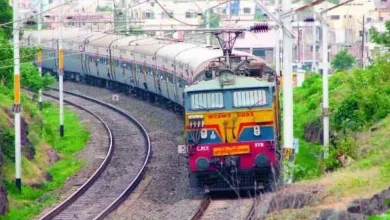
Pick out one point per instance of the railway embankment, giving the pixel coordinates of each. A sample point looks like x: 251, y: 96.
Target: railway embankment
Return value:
x: 47, y: 160
x: 355, y: 178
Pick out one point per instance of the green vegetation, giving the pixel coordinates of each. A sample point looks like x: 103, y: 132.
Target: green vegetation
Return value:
x: 358, y: 100
x: 43, y: 133
x: 360, y: 128
x: 343, y: 61
x: 42, y: 172
x: 6, y: 16
x: 386, y: 216
x: 381, y: 38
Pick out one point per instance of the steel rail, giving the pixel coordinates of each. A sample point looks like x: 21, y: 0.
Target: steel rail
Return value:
x: 59, y: 208
x: 202, y: 208
x: 94, y: 177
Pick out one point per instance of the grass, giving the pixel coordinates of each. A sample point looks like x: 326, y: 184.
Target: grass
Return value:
x: 360, y: 120
x: 385, y: 216
x: 368, y: 175
x: 43, y: 132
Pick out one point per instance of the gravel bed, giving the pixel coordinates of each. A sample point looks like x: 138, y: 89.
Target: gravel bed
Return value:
x: 165, y: 193
x: 92, y: 155
x: 128, y: 156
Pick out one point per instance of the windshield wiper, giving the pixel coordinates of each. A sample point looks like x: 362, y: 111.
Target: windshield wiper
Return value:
x: 260, y: 100
x: 203, y: 108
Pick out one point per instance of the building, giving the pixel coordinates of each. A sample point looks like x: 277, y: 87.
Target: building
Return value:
x: 345, y: 24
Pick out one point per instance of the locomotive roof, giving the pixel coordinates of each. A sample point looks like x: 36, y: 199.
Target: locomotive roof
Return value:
x: 240, y: 82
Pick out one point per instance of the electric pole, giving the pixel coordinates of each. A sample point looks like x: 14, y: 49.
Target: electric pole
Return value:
x: 288, y: 36
x: 325, y: 92
x: 314, y: 63
x: 298, y: 51
x: 277, y: 36
x: 126, y: 7
x: 17, y: 106
x: 303, y: 45
x: 287, y: 92
x: 61, y: 72
x: 39, y: 52
x: 208, y: 36
x: 362, y: 55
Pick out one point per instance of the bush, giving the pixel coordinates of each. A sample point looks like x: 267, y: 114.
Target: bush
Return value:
x: 357, y: 100
x: 7, y: 143
x: 32, y: 80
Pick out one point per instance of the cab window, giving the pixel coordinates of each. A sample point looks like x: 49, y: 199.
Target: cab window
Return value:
x: 249, y: 98
x: 203, y: 101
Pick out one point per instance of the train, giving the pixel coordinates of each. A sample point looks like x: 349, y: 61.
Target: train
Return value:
x: 229, y: 99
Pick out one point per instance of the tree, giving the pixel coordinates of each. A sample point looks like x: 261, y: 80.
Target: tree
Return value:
x: 30, y: 77
x: 343, y: 61
x: 381, y: 38
x: 32, y: 80
x: 6, y: 16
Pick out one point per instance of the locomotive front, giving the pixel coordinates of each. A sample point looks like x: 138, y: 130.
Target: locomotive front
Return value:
x: 231, y: 125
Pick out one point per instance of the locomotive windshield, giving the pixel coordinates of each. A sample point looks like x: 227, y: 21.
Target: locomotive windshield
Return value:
x: 229, y: 99
x: 206, y: 101
x: 249, y: 98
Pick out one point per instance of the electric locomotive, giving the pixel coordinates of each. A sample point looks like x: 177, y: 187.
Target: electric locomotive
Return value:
x: 230, y: 98
x: 232, y: 128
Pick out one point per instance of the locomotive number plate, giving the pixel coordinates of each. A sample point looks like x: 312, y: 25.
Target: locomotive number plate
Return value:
x: 233, y: 150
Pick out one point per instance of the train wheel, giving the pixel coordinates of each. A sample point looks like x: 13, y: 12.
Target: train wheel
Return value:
x: 145, y: 95
x: 138, y: 93
x: 152, y: 98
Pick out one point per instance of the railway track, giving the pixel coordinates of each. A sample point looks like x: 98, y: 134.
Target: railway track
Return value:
x: 120, y: 172
x: 209, y: 208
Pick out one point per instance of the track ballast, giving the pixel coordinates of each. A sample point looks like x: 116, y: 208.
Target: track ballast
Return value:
x: 121, y: 171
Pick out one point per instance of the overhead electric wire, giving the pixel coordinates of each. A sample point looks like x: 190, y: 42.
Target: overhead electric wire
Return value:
x: 24, y: 19
x: 94, y: 33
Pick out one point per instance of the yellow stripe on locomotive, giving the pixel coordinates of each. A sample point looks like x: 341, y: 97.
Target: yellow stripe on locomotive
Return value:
x: 229, y: 125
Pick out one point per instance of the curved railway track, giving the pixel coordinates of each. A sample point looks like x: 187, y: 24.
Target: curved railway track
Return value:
x: 120, y: 172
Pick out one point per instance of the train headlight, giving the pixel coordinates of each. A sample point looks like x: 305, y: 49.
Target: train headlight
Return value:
x: 256, y: 130
x: 226, y: 77
x: 261, y: 160
x: 202, y: 163
x: 203, y: 133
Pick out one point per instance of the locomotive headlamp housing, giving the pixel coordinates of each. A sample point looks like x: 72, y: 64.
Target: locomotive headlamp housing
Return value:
x: 226, y: 77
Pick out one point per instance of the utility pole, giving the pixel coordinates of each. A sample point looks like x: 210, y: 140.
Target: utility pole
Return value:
x: 208, y: 36
x: 298, y: 51
x: 363, y: 43
x: 287, y: 92
x: 61, y: 72
x: 303, y: 45
x: 314, y: 63
x: 277, y: 36
x: 17, y: 106
x: 325, y: 92
x: 39, y: 52
x: 126, y: 7
x: 288, y: 36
